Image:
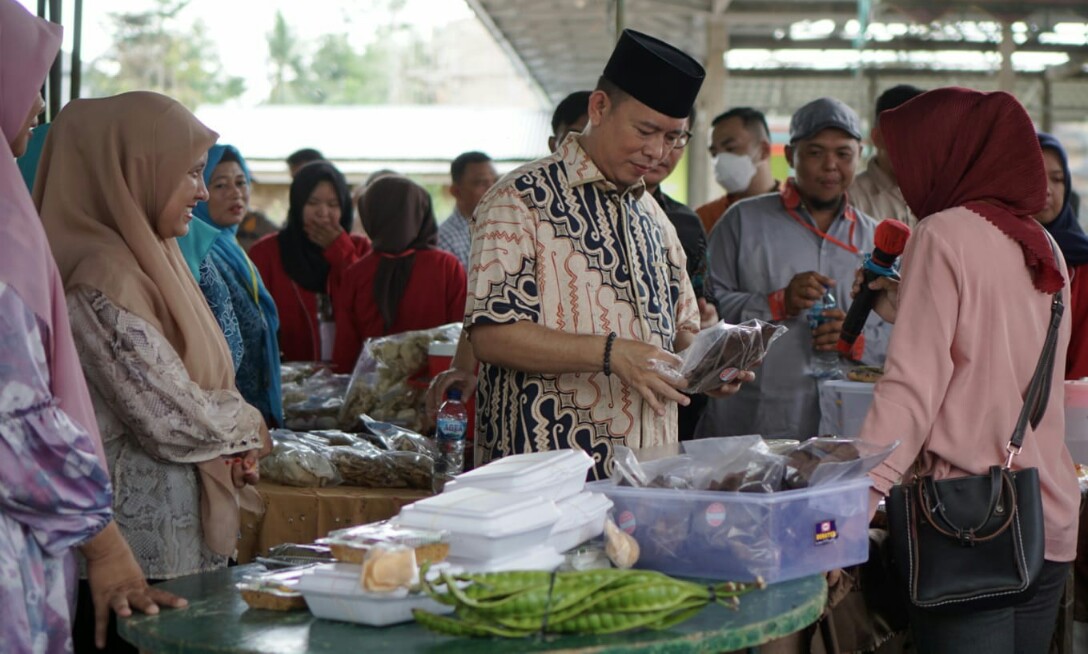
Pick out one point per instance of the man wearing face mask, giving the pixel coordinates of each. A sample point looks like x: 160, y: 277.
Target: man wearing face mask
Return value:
x: 772, y: 257
x: 740, y: 145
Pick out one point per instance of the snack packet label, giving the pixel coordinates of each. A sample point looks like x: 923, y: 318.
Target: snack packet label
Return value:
x: 715, y: 514
x: 729, y: 374
x: 627, y: 522
x: 826, y: 532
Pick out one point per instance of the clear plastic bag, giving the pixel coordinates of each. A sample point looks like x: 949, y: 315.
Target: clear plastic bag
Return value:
x: 315, y: 402
x: 294, y: 462
x: 396, y: 438
x: 366, y: 466
x: 720, y: 352
x: 380, y: 383
x: 819, y: 461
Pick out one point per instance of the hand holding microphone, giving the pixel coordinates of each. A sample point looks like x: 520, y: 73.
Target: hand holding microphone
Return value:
x: 889, y: 241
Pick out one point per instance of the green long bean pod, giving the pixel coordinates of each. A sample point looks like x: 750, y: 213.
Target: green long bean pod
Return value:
x: 461, y: 628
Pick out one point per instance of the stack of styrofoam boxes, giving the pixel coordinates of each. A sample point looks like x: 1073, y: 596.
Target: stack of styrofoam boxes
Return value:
x: 516, y: 513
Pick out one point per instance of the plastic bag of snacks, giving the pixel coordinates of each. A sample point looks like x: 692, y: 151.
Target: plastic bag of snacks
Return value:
x: 720, y: 352
x: 314, y: 402
x: 380, y: 385
x: 294, y: 462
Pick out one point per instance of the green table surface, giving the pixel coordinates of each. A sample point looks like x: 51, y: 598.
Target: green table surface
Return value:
x: 217, y: 620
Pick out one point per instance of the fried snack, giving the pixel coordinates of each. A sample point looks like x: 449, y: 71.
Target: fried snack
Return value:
x: 272, y: 601
x: 351, y: 545
x: 274, y: 591
x: 721, y: 352
x: 869, y: 374
x: 389, y: 567
x: 365, y: 466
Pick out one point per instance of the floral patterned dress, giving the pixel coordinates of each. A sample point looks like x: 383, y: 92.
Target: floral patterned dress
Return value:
x: 54, y: 492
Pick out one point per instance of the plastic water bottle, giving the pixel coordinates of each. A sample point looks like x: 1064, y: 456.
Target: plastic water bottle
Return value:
x: 825, y: 365
x: 452, y: 424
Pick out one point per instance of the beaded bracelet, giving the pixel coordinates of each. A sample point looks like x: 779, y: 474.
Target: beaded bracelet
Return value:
x: 608, y: 354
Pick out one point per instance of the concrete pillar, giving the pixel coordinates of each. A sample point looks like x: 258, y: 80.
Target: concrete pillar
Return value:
x: 1006, y: 77
x: 710, y: 103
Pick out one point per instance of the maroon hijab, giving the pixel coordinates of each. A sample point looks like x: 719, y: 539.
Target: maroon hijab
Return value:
x: 955, y: 147
x: 398, y: 217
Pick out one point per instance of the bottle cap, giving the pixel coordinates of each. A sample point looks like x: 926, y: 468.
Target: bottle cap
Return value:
x: 454, y: 394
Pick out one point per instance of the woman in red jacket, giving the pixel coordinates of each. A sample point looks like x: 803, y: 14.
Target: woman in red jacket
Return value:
x: 303, y: 263
x: 404, y: 283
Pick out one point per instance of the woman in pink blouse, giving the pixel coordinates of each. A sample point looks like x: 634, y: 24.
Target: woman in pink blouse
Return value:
x: 971, y: 315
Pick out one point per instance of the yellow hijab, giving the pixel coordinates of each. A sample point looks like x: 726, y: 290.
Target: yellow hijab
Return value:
x: 107, y: 171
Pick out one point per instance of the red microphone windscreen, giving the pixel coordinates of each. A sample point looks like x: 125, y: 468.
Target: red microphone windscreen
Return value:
x: 891, y: 237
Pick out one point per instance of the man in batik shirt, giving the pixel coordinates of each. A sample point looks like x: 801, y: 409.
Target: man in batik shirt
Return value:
x: 577, y: 284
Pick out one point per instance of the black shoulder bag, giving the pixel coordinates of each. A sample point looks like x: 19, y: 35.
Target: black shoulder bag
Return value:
x: 977, y: 542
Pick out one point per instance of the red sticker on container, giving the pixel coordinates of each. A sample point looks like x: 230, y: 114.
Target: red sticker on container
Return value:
x: 715, y: 514
x: 627, y: 522
x: 729, y: 374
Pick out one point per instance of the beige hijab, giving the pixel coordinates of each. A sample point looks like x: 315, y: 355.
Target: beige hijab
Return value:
x: 107, y: 171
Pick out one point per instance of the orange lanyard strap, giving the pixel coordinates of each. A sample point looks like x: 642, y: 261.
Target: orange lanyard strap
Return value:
x: 791, y: 199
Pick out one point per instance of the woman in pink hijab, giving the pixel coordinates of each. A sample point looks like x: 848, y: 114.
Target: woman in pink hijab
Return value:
x: 55, y: 491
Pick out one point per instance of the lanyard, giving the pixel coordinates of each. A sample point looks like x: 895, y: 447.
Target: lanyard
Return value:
x: 791, y: 199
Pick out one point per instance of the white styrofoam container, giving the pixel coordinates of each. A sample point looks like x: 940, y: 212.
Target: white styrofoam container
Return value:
x: 553, y: 475
x: 483, y: 524
x: 581, y: 518
x: 333, y: 592
x: 541, y: 557
x: 843, y: 407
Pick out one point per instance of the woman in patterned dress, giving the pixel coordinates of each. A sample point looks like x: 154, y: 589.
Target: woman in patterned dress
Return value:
x: 117, y: 183
x: 54, y: 488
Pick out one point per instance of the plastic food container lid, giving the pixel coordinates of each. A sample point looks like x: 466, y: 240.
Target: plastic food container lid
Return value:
x: 442, y: 349
x: 1076, y: 394
x: 581, y: 509
x: 525, y: 472
x: 480, y: 512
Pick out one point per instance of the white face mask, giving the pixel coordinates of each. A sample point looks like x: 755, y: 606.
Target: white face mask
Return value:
x: 734, y: 172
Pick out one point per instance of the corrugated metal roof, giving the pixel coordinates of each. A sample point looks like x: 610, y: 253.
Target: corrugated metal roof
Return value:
x: 382, y: 133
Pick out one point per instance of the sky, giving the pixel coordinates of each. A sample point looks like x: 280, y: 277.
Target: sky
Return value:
x: 239, y: 27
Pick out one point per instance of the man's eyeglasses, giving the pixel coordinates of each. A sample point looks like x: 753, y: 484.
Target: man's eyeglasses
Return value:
x: 679, y: 141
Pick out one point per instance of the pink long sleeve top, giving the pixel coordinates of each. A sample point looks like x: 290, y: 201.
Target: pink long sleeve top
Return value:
x: 968, y: 334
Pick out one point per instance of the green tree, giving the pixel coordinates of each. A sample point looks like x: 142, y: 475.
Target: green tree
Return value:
x: 287, y: 67
x: 152, y: 51
x: 340, y: 75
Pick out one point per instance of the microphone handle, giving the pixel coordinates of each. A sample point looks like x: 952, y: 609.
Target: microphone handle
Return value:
x: 862, y: 305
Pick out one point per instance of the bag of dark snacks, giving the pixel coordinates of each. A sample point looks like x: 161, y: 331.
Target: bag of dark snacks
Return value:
x: 722, y: 351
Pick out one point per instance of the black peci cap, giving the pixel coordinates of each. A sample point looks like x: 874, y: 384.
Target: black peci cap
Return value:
x: 655, y: 73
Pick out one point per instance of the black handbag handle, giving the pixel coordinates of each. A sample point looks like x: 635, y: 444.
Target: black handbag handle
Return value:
x: 931, y: 507
x: 1038, y: 394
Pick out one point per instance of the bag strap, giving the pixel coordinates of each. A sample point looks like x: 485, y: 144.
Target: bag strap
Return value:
x: 1038, y: 394
x: 932, y: 507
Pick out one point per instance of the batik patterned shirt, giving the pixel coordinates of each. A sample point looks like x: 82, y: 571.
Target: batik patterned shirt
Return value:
x: 54, y: 490
x: 556, y: 244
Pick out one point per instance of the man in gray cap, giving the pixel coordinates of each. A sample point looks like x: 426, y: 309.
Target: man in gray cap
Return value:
x: 577, y: 287
x: 774, y: 256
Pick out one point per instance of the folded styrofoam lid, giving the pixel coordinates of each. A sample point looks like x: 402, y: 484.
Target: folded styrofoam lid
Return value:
x: 540, y: 557
x: 528, y: 469
x: 580, y: 509
x: 480, y: 511
x: 846, y: 386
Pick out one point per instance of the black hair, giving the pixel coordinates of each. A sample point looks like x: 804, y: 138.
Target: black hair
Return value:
x: 463, y: 161
x: 752, y: 119
x: 895, y: 96
x: 570, y: 109
x: 304, y: 156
